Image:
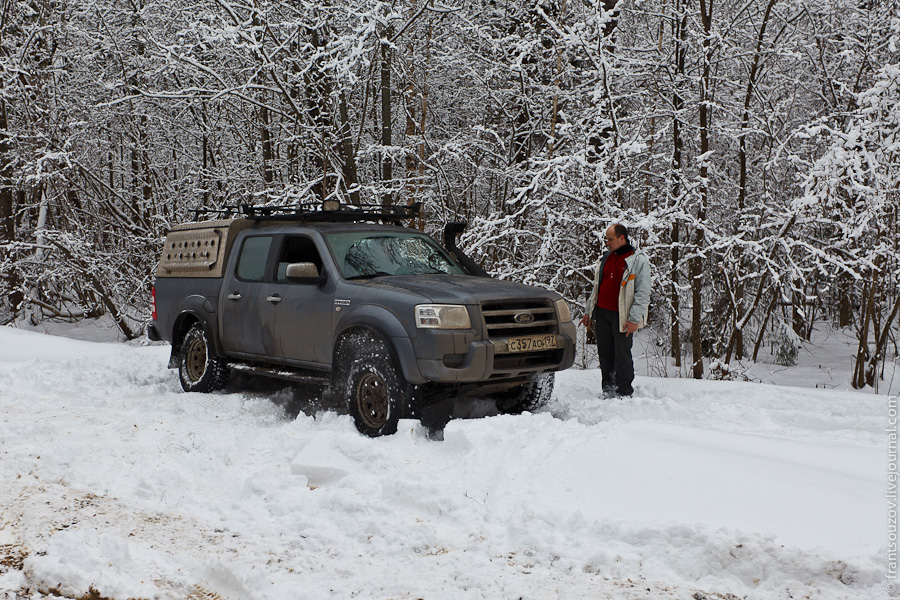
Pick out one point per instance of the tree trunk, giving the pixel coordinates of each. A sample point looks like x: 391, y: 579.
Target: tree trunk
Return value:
x: 742, y: 169
x: 319, y: 85
x: 798, y: 314
x: 345, y: 144
x: 748, y: 97
x: 7, y: 205
x: 422, y: 117
x: 845, y: 306
x: 136, y: 177
x: 697, y: 278
x: 387, y: 168
x: 696, y: 268
x: 862, y: 333
x: 765, y: 323
x: 676, y: 299
x: 412, y: 183
x: 881, y: 345
x: 204, y: 175
x: 33, y: 309
x: 268, y: 158
x: 147, y: 208
x: 647, y: 183
x: 680, y: 37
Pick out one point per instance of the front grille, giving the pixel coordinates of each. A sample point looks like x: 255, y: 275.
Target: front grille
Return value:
x: 518, y: 317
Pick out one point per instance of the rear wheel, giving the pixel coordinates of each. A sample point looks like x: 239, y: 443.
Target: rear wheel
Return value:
x: 535, y: 394
x: 373, y: 386
x: 199, y: 369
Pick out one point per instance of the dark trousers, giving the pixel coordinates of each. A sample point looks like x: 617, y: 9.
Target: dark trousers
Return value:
x: 614, y: 350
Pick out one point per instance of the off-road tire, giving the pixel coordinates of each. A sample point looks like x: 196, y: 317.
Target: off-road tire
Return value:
x: 530, y: 397
x: 199, y: 369
x: 373, y: 387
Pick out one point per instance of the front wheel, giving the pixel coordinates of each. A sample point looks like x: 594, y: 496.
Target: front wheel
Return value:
x: 529, y: 397
x: 374, y: 388
x: 199, y: 369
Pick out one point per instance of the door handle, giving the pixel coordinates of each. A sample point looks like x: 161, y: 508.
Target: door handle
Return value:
x: 274, y: 299
x: 234, y: 296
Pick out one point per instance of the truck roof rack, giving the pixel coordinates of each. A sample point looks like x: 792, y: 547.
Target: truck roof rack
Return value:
x: 329, y: 211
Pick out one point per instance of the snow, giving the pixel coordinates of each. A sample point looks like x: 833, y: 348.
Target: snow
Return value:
x: 116, y: 483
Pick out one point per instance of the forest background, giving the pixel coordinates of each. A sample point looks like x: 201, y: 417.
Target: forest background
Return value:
x: 752, y: 147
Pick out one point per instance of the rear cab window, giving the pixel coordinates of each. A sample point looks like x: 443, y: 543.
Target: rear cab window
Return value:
x: 254, y: 256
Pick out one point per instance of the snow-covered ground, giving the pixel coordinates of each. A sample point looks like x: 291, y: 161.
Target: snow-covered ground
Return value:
x: 116, y: 484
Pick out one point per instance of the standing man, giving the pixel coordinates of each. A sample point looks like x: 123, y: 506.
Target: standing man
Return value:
x: 619, y: 302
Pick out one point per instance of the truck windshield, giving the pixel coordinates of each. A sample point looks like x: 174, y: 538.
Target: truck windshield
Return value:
x: 374, y: 253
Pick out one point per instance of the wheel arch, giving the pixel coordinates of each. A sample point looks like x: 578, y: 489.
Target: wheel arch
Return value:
x: 183, y: 323
x: 359, y: 330
x: 386, y: 326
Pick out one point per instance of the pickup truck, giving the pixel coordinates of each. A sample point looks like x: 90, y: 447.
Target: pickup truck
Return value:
x: 391, y: 322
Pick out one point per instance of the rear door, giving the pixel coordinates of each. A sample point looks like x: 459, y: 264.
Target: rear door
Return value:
x: 302, y: 310
x: 243, y: 329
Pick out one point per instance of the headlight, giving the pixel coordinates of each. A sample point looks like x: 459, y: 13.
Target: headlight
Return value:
x: 562, y: 309
x: 442, y: 316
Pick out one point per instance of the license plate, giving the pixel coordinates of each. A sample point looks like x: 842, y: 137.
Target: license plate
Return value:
x: 532, y: 343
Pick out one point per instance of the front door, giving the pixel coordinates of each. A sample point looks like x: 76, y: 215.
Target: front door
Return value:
x: 303, y: 310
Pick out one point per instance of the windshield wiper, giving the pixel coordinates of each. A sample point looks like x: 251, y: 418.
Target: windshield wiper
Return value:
x: 369, y: 275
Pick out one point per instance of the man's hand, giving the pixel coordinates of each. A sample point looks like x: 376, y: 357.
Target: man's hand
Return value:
x: 585, y: 320
x: 630, y: 328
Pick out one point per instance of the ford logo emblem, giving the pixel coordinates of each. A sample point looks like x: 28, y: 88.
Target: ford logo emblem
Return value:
x: 523, y: 318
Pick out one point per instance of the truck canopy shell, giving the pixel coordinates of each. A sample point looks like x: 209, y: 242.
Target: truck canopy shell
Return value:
x: 199, y: 249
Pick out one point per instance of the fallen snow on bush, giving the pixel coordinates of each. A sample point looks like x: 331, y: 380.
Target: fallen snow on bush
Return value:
x: 114, y: 482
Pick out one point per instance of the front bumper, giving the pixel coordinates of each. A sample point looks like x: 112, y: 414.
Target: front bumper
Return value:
x: 459, y: 358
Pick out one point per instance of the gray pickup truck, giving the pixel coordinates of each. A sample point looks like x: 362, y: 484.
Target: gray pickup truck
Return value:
x: 392, y: 323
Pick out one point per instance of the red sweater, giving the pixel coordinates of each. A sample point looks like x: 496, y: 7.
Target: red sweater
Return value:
x: 613, y: 270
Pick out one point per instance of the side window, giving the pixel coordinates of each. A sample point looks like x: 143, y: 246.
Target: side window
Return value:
x: 297, y: 250
x: 252, y: 263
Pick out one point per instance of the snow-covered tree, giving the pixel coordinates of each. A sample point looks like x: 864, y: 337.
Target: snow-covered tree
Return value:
x: 854, y: 187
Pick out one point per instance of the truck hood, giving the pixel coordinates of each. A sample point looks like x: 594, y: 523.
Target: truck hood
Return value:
x: 463, y: 289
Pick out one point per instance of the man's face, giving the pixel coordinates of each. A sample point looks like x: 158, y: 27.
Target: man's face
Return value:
x: 613, y: 241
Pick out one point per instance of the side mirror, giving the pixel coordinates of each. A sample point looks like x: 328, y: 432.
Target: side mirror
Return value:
x: 304, y: 272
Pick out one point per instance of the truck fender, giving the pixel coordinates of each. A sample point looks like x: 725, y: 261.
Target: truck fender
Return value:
x: 387, y: 325
x: 195, y: 309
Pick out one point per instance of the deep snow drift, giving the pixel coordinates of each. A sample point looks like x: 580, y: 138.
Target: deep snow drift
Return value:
x: 114, y: 482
